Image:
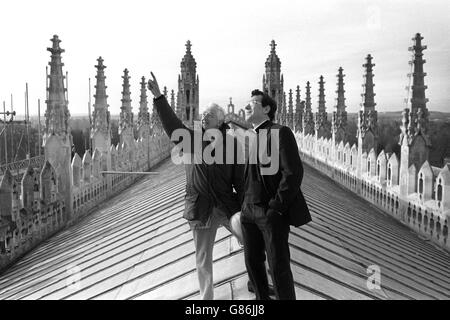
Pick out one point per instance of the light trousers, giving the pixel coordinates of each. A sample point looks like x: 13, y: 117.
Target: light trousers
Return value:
x: 204, y: 239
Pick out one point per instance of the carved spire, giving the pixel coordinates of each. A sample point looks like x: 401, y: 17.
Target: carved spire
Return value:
x: 58, y: 153
x: 143, y: 125
x: 165, y: 92
x: 322, y: 107
x: 172, y: 99
x: 284, y: 112
x: 299, y: 106
x: 273, y: 62
x: 178, y: 107
x: 57, y: 114
x: 340, y: 106
x: 369, y: 95
x: 188, y: 62
x: 368, y: 119
x: 290, y: 111
x: 418, y: 100
x: 101, y: 116
x: 188, y: 88
x: 308, y: 98
x: 126, y: 113
x: 143, y: 115
x: 339, y: 114
x: 414, y: 137
x: 308, y: 118
x: 188, y: 47
x: 321, y: 121
x: 273, y: 80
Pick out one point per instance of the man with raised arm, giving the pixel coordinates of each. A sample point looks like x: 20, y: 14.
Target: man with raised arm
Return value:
x: 210, y: 200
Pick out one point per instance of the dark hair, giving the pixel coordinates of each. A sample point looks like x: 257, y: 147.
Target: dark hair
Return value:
x: 266, y: 101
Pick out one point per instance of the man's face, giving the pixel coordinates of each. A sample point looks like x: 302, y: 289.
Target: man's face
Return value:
x: 254, y: 111
x: 210, y: 120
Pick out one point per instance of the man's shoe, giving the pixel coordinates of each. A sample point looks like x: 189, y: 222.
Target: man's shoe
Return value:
x: 252, y: 290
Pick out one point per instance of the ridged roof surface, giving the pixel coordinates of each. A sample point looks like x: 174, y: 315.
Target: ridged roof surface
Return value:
x: 137, y: 246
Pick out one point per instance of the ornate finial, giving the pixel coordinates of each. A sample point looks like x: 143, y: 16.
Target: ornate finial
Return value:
x: 188, y: 46
x: 172, y: 99
x: 100, y: 114
x: 369, y: 95
x: 231, y: 100
x: 272, y: 46
x: 308, y: 97
x: 55, y: 45
x: 340, y: 106
x: 143, y: 115
x: 57, y: 113
x: 321, y: 107
x: 418, y: 38
x: 100, y: 64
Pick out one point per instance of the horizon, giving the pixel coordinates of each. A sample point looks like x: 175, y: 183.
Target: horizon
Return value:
x: 312, y: 40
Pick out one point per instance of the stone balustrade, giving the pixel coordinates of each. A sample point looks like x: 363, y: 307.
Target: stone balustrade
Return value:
x: 33, y: 209
x: 425, y: 209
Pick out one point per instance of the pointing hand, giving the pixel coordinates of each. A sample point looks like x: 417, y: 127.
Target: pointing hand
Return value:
x: 154, y: 87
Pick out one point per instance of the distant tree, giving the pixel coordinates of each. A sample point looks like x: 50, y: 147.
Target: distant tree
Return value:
x: 351, y: 132
x: 440, y: 142
x: 79, y: 140
x: 389, y: 133
x: 115, y: 132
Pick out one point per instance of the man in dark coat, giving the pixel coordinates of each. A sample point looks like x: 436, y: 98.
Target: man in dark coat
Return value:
x: 209, y: 200
x: 272, y: 200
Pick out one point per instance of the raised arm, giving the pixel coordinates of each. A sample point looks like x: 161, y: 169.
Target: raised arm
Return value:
x: 169, y: 119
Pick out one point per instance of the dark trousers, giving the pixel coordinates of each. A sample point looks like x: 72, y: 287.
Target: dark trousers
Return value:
x: 263, y: 236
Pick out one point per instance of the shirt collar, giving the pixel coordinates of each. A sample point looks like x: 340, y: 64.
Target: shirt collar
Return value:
x: 256, y: 128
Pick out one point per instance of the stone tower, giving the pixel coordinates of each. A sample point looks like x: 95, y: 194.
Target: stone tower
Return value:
x: 57, y: 139
x: 101, y: 127
x: 339, y: 122
x: 188, y: 88
x: 321, y: 121
x: 143, y: 123
x: 308, y: 118
x: 299, y: 109
x: 414, y: 140
x: 273, y: 80
x: 126, y: 113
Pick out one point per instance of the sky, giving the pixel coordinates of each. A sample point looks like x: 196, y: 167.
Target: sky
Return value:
x: 230, y: 42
